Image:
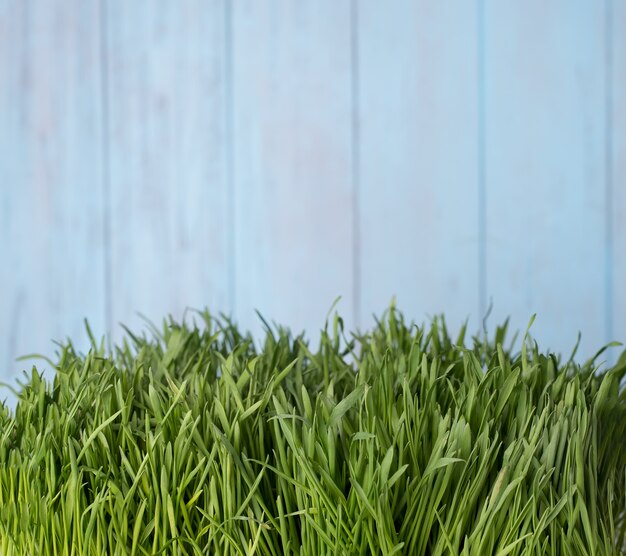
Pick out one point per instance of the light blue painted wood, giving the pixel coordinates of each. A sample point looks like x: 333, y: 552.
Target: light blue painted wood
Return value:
x: 292, y: 161
x: 169, y: 218
x: 545, y: 179
x: 51, y: 225
x: 276, y: 154
x: 418, y: 193
x: 617, y: 143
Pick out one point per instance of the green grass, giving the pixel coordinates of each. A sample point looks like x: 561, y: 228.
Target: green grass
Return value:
x: 401, y: 440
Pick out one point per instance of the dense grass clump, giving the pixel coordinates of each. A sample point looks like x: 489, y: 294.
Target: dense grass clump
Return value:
x: 401, y: 440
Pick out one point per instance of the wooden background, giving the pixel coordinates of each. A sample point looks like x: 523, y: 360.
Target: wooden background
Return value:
x: 276, y: 154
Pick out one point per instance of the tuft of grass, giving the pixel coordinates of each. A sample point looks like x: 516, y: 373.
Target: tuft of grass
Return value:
x: 400, y: 440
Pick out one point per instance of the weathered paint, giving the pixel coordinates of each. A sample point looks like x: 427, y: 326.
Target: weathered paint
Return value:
x: 418, y: 173
x: 275, y: 154
x: 545, y: 179
x: 292, y: 161
x: 51, y: 168
x: 616, y: 142
x: 168, y: 203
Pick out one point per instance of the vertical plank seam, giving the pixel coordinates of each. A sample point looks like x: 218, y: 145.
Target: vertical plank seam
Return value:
x: 608, y: 169
x: 355, y: 147
x: 20, y: 298
x: 106, y: 170
x: 16, y: 319
x: 482, y: 163
x: 229, y: 148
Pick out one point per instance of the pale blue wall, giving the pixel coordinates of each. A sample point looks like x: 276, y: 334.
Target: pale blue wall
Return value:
x: 274, y: 155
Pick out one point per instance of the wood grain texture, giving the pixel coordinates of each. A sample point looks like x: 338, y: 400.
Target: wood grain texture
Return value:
x: 617, y: 144
x: 545, y: 168
x: 51, y: 224
x: 292, y: 161
x: 275, y: 154
x: 169, y: 217
x: 418, y: 158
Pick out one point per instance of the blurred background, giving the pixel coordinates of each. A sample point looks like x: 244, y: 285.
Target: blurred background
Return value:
x: 274, y: 155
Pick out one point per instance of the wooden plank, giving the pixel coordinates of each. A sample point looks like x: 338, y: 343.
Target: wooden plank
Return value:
x: 292, y: 161
x: 169, y: 219
x: 51, y: 224
x: 545, y: 177
x: 617, y: 161
x: 418, y: 158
